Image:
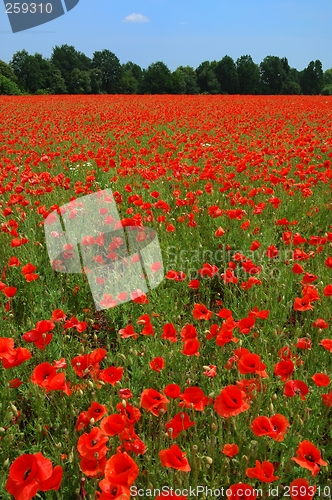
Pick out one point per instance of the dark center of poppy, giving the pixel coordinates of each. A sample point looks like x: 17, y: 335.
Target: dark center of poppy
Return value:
x: 94, y: 442
x: 309, y: 458
x: 26, y: 474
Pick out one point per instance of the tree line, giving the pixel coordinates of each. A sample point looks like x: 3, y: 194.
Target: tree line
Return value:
x: 69, y: 71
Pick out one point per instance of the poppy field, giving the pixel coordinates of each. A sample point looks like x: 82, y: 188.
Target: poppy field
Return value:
x: 214, y: 384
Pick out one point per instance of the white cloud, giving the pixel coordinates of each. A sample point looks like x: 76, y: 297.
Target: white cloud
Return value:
x: 135, y: 18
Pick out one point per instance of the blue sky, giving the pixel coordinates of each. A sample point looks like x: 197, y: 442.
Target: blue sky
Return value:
x: 184, y: 32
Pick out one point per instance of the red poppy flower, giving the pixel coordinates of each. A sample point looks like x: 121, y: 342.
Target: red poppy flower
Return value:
x: 169, y: 332
x: 194, y: 284
x: 327, y: 344
x: 211, y: 371
x: 175, y: 458
x: 96, y: 411
x: 191, y: 347
x: 111, y: 491
x: 29, y: 474
x: 111, y: 375
x: 93, y: 467
x: 299, y: 489
x: 154, y: 402
x: 241, y: 491
x: 58, y: 315
x: 297, y: 269
x: 180, y: 422
x: 188, y: 332
x: 263, y: 472
x: 73, y: 322
x: 327, y: 399
x: 321, y: 379
x: 127, y: 332
x: 219, y: 232
x: 172, y: 391
x: 113, y: 425
x: 320, y: 323
x: 309, y: 457
x: 303, y: 343
x: 230, y: 450
x: 327, y: 291
x: 272, y: 252
x: 28, y: 269
x: 16, y: 357
x: 284, y: 369
x: 200, y: 311
x: 302, y: 304
x: 45, y: 375
x: 88, y: 363
x: 296, y: 388
x: 255, y: 245
x: 9, y: 291
x: 92, y: 444
x: 14, y: 262
x: 157, y: 364
x: 274, y: 427
x: 251, y: 363
x: 121, y: 470
x: 194, y: 397
x: 230, y: 402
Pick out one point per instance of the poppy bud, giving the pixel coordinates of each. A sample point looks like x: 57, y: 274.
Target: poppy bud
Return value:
x: 208, y: 460
x: 214, y: 427
x: 13, y: 407
x: 274, y: 397
x: 244, y: 457
x: 92, y: 421
x: 58, y: 445
x: 6, y: 462
x: 271, y: 408
x: 2, y: 430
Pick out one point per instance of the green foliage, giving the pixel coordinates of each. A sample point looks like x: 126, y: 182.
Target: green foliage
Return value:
x: 110, y: 68
x: 6, y: 70
x: 157, y: 79
x: 273, y: 72
x: 8, y: 87
x: 312, y: 78
x: 71, y: 71
x: 327, y: 89
x: 207, y: 79
x: 65, y: 58
x: 327, y: 77
x: 80, y: 82
x: 226, y: 72
x: 131, y: 79
x: 189, y: 78
x: 248, y: 75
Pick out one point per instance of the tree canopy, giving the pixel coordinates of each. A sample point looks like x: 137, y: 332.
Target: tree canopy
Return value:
x: 69, y: 71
